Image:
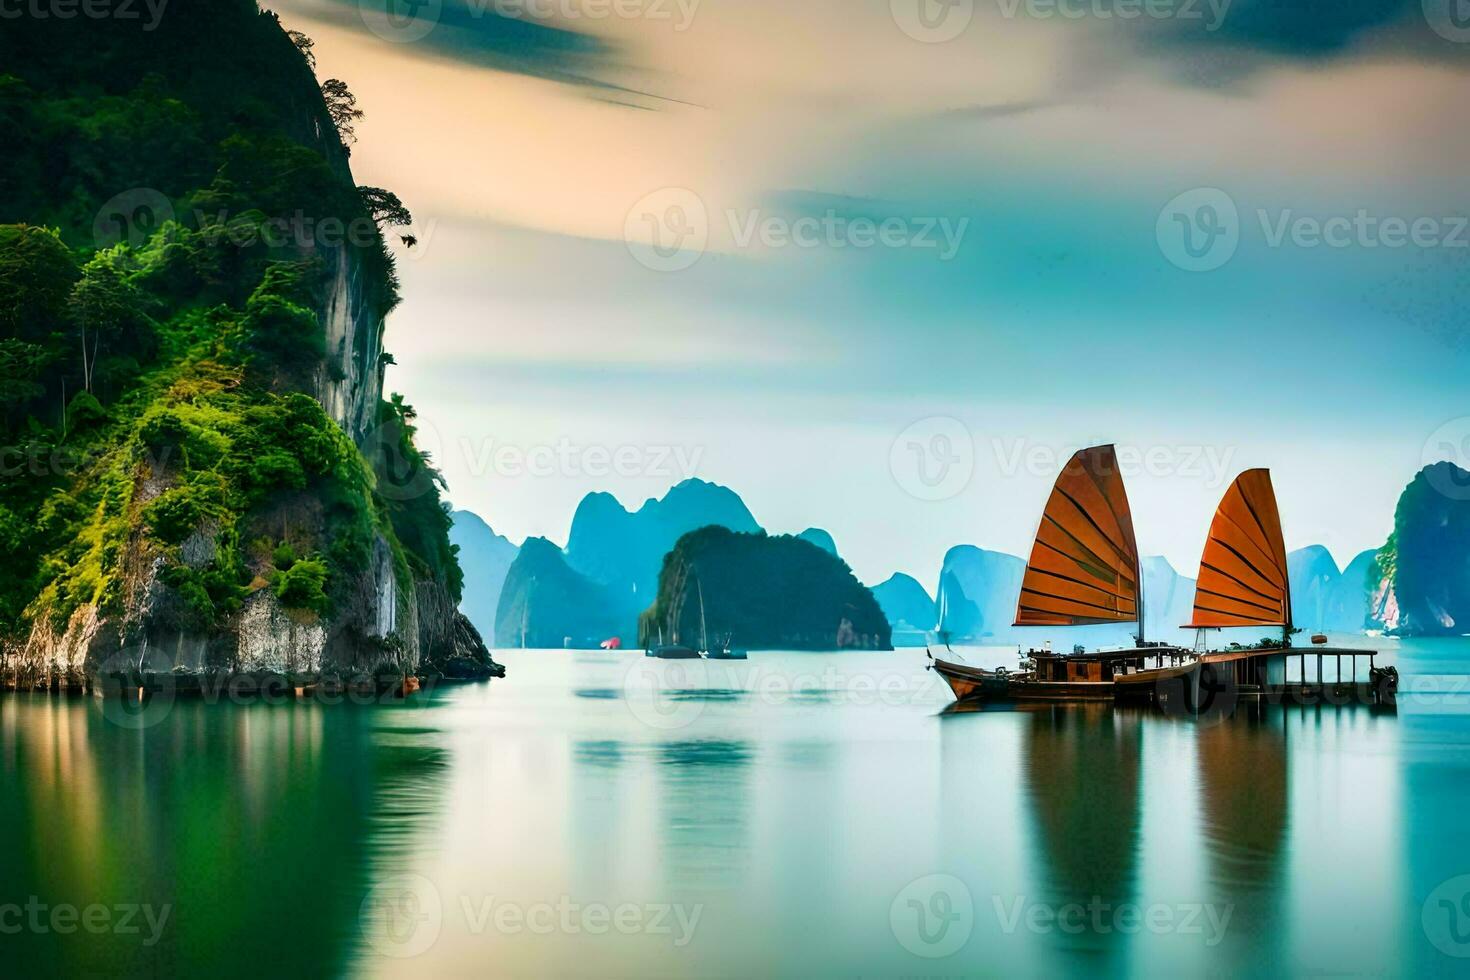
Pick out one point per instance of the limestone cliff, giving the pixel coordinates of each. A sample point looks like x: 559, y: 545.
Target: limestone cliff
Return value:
x: 762, y: 592
x: 1422, y: 585
x: 234, y: 492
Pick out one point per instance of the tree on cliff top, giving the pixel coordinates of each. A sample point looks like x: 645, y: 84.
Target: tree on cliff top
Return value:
x: 342, y: 107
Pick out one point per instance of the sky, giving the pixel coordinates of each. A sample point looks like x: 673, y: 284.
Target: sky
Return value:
x: 881, y: 265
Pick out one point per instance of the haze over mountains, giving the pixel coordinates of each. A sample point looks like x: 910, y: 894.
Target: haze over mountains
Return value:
x: 597, y: 587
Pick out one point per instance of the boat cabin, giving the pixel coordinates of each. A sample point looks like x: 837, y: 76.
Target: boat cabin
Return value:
x: 1102, y: 666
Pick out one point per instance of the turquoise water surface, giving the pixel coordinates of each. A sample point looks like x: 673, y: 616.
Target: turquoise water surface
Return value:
x: 602, y: 814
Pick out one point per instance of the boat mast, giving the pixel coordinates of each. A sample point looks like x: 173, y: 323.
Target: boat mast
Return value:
x: 703, y: 632
x: 1142, y: 627
x: 1286, y: 626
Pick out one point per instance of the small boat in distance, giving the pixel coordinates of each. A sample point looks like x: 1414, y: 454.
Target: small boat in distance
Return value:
x: 724, y: 653
x: 721, y: 648
x: 672, y: 651
x: 725, y: 649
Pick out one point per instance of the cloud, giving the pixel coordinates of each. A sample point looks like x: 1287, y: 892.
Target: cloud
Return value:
x: 475, y: 33
x: 1250, y: 35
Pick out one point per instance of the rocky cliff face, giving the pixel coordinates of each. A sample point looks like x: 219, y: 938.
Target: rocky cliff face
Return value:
x: 1422, y: 575
x: 177, y: 562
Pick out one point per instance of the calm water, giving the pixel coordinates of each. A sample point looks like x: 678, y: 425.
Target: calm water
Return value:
x: 599, y: 814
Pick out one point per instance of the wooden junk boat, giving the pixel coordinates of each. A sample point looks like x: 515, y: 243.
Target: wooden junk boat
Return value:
x: 1243, y: 582
x: 1085, y: 569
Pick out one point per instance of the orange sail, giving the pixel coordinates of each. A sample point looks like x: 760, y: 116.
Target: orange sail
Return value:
x: 1242, y: 576
x: 1084, y: 566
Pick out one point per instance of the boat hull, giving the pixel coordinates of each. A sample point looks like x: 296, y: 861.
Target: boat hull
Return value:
x: 972, y: 683
x: 975, y: 684
x: 1032, y: 690
x: 1160, y: 682
x: 673, y: 653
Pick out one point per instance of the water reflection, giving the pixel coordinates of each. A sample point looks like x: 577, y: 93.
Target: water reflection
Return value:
x: 795, y: 826
x: 704, y: 800
x: 1081, y: 778
x: 255, y: 828
x: 1242, y: 767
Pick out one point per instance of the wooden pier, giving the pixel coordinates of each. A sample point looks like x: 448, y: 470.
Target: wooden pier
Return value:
x: 1298, y: 675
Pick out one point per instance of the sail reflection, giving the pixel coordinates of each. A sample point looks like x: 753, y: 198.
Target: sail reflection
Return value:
x: 1082, y: 771
x: 1244, y: 794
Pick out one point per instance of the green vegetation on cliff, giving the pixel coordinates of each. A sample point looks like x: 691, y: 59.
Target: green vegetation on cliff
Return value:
x: 763, y: 592
x: 178, y: 224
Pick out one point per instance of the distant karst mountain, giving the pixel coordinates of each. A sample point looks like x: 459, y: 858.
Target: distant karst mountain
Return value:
x: 764, y: 593
x: 547, y: 604
x: 622, y: 551
x: 908, y: 608
x: 1422, y: 578
x: 485, y: 558
x: 1350, y: 608
x: 1168, y: 600
x: 608, y: 577
x: 616, y: 554
x: 1324, y: 599
x: 977, y: 593
x: 821, y: 539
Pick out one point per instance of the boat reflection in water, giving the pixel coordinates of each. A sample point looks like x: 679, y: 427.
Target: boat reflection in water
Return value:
x: 1082, y: 784
x: 1124, y: 806
x: 1242, y: 770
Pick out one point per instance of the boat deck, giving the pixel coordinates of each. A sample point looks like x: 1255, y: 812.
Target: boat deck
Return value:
x: 1209, y: 681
